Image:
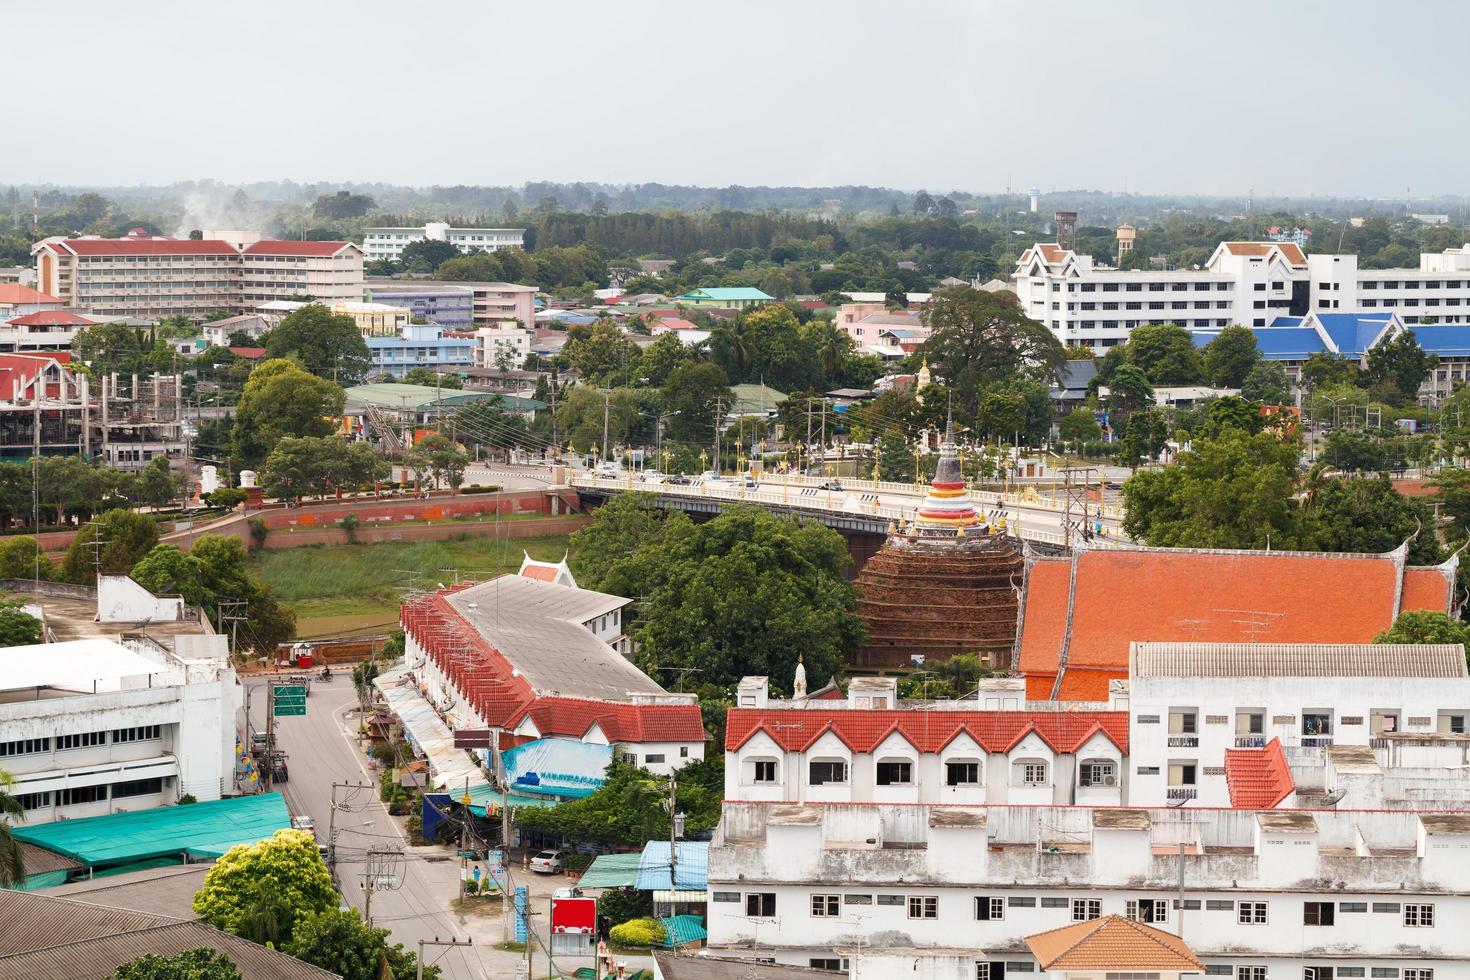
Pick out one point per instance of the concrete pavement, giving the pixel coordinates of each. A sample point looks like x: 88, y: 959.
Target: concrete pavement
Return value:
x: 322, y: 750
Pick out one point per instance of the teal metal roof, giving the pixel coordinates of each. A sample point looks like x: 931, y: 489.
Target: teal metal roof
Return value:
x: 203, y: 830
x: 727, y: 293
x: 484, y: 794
x: 611, y: 871
x: 681, y: 930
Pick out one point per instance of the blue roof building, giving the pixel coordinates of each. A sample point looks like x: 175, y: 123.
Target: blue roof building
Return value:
x: 1293, y: 339
x: 420, y: 345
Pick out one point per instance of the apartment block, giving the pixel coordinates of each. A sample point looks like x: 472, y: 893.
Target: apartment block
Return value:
x: 387, y: 244
x: 330, y: 272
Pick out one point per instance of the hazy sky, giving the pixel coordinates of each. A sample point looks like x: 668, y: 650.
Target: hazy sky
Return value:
x: 1355, y: 97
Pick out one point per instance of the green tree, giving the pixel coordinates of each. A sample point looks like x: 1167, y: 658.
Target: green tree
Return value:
x: 1231, y: 492
x: 695, y: 391
x: 1079, y: 425
x: 214, y: 570
x: 108, y: 347
x: 1144, y: 437
x: 338, y: 941
x: 201, y: 963
x: 1231, y: 412
x: 1266, y: 382
x: 1323, y: 369
x: 1166, y: 354
x: 427, y: 254
x: 327, y: 344
x: 282, y: 400
x: 1368, y: 516
x: 476, y: 267
x: 605, y: 552
x: 1400, y: 366
x: 660, y: 358
x: 111, y: 545
x: 1231, y: 356
x: 980, y: 338
x: 895, y: 458
x: 286, y: 866
x: 12, y: 858
x: 601, y: 353
x: 1355, y: 451
x: 441, y: 460
x: 430, y: 378
x: 158, y: 484
x: 343, y: 204
x: 23, y: 557
x: 1422, y: 626
x: 1128, y: 391
x: 17, y: 627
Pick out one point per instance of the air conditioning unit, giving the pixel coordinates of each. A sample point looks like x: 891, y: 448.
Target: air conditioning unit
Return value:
x: 1110, y: 780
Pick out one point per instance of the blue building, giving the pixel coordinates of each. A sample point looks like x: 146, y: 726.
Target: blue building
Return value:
x: 448, y: 306
x: 420, y: 345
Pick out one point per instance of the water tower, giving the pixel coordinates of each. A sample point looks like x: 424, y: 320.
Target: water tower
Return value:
x: 1127, y: 234
x: 1035, y: 193
x: 1066, y: 228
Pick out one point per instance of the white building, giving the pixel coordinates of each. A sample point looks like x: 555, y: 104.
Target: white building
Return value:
x: 530, y: 657
x: 1211, y: 724
x: 866, y: 749
x: 125, y: 722
x: 387, y: 244
x: 952, y: 893
x: 509, y: 339
x: 1249, y: 283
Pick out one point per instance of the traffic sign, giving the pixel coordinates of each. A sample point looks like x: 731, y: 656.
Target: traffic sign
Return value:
x: 290, y: 690
x: 286, y: 710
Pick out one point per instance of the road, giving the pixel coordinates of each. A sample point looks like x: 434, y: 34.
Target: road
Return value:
x: 321, y: 750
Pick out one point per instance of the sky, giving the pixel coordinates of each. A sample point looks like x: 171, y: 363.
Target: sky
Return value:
x: 1346, y: 98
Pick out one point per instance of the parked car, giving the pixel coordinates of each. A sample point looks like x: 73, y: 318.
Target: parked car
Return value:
x: 547, y: 863
x: 608, y: 469
x: 711, y: 476
x: 832, y: 485
x: 678, y: 480
x: 651, y: 476
x: 748, y: 481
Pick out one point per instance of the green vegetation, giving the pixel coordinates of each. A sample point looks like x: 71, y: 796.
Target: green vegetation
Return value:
x: 626, y: 808
x: 262, y: 891
x: 17, y: 627
x: 12, y: 858
x: 638, y: 932
x: 1420, y: 626
x: 201, y: 963
x: 341, y: 943
x: 216, y: 570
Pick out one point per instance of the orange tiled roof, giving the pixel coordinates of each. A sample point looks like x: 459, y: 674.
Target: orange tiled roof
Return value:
x: 14, y: 294
x: 1259, y: 779
x: 1182, y: 595
x: 1053, y: 253
x: 544, y: 573
x: 1112, y: 943
x: 1248, y: 248
x: 795, y: 729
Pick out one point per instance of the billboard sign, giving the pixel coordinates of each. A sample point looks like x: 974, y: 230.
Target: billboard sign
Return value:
x: 472, y: 738
x: 557, y: 767
x: 574, y: 916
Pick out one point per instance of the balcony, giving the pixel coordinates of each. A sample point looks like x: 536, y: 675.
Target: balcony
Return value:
x: 1315, y: 741
x: 1181, y: 793
x: 1183, y: 741
x: 1250, y: 741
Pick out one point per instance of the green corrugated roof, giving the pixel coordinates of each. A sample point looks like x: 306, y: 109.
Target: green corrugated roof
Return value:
x: 204, y: 830
x: 680, y: 930
x: 611, y: 871
x: 750, y: 399
x: 483, y: 794
x: 421, y: 398
x: 727, y: 293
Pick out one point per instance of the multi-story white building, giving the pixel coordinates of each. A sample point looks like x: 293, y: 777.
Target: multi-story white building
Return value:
x: 951, y: 892
x: 1249, y: 283
x: 387, y: 244
x: 504, y: 342
x: 135, y: 720
x: 147, y: 277
x: 1212, y: 724
x: 328, y: 272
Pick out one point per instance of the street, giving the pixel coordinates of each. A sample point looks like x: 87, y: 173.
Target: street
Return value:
x: 321, y: 750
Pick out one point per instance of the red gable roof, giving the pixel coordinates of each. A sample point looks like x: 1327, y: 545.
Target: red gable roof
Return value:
x: 14, y: 294
x: 142, y: 246
x: 51, y: 318
x: 619, y: 722
x: 1180, y: 595
x: 248, y: 353
x: 674, y: 323
x: 1259, y: 779
x: 795, y: 729
x: 18, y: 370
x: 325, y: 249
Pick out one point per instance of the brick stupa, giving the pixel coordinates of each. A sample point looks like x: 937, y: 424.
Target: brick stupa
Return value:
x: 946, y: 584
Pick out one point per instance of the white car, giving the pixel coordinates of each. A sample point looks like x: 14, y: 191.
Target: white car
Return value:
x: 547, y: 863
x: 652, y: 476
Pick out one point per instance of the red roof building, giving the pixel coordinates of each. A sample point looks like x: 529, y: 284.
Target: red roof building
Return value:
x: 1259, y: 779
x: 285, y: 247
x: 797, y: 729
x: 1079, y: 614
x: 51, y: 318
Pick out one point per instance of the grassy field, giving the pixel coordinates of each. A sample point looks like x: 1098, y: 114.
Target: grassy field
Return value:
x: 337, y: 590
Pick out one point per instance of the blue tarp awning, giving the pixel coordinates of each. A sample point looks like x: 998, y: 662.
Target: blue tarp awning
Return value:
x: 692, y: 873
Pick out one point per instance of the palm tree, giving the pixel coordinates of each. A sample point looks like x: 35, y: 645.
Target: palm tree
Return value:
x: 12, y: 859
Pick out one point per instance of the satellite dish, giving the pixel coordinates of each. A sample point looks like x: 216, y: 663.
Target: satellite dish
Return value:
x: 1333, y: 798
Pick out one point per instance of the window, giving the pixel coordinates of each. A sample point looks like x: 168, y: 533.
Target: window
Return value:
x: 81, y: 794
x: 1053, y: 902
x: 1131, y: 975
x: 728, y: 897
x: 1084, y: 909
x: 1219, y: 970
x: 828, y: 772
x: 1021, y: 902
x: 923, y: 906
x: 760, y: 904
x: 25, y: 746
x: 1392, y: 907
x: 1318, y: 913
x: 858, y: 899
x: 654, y: 757
x: 1148, y: 910
x: 1250, y: 973
x: 1385, y: 972
x: 826, y: 906
x: 765, y: 770
x: 683, y: 751
x: 895, y: 773
x: 890, y: 899
x: 1419, y: 974
x: 1421, y: 916
x: 81, y: 740
x: 827, y: 963
x: 1316, y: 973
x: 1352, y: 906
x: 1351, y: 971
x: 989, y: 908
x: 1098, y: 774
x: 961, y: 773
x: 1033, y: 773
x: 1251, y: 914
x: 34, y: 801
x: 982, y: 970
x: 138, y: 787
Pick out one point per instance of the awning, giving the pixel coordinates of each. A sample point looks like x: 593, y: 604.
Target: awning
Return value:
x: 428, y: 734
x: 681, y: 897
x: 611, y: 871
x: 692, y: 870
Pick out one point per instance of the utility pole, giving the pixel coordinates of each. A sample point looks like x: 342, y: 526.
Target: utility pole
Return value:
x: 332, y: 822
x: 374, y: 871
x: 436, y: 941
x: 719, y: 417
x: 673, y: 832
x: 606, y: 402
x: 270, y: 732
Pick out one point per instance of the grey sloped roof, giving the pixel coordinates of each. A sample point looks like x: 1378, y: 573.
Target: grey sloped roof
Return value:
x: 1297, y: 660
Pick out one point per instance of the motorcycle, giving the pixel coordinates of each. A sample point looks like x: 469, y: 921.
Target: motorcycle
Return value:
x: 325, y: 675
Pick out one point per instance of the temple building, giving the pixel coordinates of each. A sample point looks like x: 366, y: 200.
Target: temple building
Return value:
x: 945, y: 584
